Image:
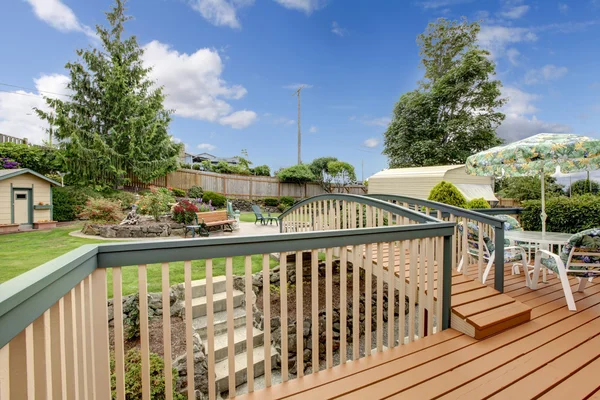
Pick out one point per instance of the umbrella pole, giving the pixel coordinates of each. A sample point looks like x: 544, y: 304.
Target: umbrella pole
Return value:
x: 543, y: 215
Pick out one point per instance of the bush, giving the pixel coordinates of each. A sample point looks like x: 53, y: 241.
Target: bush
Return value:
x: 282, y: 207
x: 9, y: 163
x: 133, y: 377
x: 195, y: 192
x: 177, y: 192
x: 296, y: 174
x: 102, y: 211
x: 69, y: 201
x: 43, y: 160
x: 261, y: 170
x: 186, y: 166
x: 271, y: 201
x: 287, y: 201
x: 568, y: 215
x: 447, y: 193
x: 582, y: 186
x: 478, y: 203
x: 127, y: 199
x: 196, y: 167
x: 156, y: 202
x: 184, y: 212
x: 217, y: 200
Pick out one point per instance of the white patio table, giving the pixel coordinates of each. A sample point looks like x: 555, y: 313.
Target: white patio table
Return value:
x: 539, y: 239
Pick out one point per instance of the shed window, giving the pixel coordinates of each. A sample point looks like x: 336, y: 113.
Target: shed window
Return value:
x: 21, y: 196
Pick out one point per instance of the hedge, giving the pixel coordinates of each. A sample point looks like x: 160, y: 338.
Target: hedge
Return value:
x: 447, y: 193
x: 69, y: 201
x: 477, y: 203
x: 218, y: 200
x: 568, y: 215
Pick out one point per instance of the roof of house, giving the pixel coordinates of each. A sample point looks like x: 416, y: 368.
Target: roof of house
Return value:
x: 438, y: 170
x: 11, y: 173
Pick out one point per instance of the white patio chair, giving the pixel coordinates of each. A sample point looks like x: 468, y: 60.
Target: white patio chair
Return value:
x: 512, y: 254
x: 579, y: 258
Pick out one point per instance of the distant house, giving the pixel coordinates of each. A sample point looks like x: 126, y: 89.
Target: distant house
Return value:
x: 187, y: 158
x: 214, y: 160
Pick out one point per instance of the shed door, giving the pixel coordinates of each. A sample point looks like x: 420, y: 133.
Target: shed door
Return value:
x: 21, y: 206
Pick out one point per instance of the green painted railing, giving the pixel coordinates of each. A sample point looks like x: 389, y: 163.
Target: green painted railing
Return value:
x: 451, y: 213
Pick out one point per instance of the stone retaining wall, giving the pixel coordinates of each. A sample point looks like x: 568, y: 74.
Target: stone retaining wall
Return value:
x: 159, y: 229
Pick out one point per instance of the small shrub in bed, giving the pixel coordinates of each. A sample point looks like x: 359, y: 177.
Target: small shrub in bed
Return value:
x: 477, y: 203
x: 177, y: 192
x: 287, y: 201
x: 103, y: 211
x: 271, y: 201
x: 184, y: 212
x: 195, y: 192
x: 217, y: 200
x: 156, y: 202
x: 447, y: 193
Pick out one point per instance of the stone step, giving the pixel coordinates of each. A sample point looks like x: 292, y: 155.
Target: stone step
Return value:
x: 199, y: 286
x: 239, y: 338
x: 222, y: 368
x: 219, y: 303
x: 219, y: 322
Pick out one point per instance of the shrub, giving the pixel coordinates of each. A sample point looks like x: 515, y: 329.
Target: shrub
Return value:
x: 216, y: 199
x: 40, y: 159
x: 8, y: 163
x: 133, y: 377
x: 296, y: 174
x: 447, y: 193
x: 127, y: 199
x: 156, y: 202
x: 196, y: 167
x: 282, y: 207
x: 69, y: 201
x: 568, y: 215
x: 478, y: 203
x: 528, y: 187
x: 195, y: 192
x: 177, y: 192
x: 271, y: 201
x: 205, y: 207
x: 184, y: 212
x: 261, y: 170
x: 582, y: 186
x: 287, y: 200
x: 186, y: 166
x: 102, y: 210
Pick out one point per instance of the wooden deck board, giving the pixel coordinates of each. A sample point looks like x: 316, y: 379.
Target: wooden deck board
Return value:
x: 556, y: 354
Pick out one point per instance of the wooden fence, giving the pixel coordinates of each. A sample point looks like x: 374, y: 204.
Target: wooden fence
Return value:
x: 240, y: 186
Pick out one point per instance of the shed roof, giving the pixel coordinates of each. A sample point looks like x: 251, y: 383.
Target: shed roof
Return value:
x: 10, y: 173
x: 438, y: 170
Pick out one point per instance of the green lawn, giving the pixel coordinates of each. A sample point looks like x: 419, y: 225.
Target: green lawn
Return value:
x: 24, y: 251
x: 249, y: 217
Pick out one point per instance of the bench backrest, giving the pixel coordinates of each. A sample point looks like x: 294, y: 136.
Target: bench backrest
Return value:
x: 257, y: 212
x: 213, y: 216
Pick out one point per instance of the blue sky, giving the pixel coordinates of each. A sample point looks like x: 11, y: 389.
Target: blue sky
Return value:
x: 229, y: 67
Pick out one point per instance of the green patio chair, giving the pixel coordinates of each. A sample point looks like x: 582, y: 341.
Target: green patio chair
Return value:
x: 260, y: 217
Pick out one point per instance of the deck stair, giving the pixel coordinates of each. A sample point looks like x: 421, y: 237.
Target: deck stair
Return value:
x: 478, y: 310
x: 221, y: 345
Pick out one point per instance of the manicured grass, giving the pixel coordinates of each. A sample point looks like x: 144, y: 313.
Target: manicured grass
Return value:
x: 249, y: 217
x: 24, y: 251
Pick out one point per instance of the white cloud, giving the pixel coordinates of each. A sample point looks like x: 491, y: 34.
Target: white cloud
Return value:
x: 595, y: 85
x: 520, y: 120
x: 307, y: 6
x: 337, y: 29
x: 283, y: 121
x: 515, y: 12
x: 546, y: 73
x: 433, y: 4
x: 296, y: 86
x: 221, y: 12
x: 193, y: 84
x: 313, y: 129
x: 239, y: 119
x: 563, y: 8
x: 206, y: 146
x: 59, y: 16
x: 371, y: 142
x: 496, y: 38
x: 17, y: 117
x: 513, y: 55
x: 380, y: 121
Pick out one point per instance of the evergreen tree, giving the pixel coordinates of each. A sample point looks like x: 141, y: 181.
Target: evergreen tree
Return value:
x: 114, y: 123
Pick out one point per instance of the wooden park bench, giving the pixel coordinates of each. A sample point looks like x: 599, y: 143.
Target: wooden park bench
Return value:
x: 211, y: 220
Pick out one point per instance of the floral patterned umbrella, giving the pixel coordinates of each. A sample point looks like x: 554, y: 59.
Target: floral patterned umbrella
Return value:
x: 538, y: 155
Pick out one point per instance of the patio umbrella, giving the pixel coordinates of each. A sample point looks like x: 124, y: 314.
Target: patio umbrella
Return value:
x: 544, y: 153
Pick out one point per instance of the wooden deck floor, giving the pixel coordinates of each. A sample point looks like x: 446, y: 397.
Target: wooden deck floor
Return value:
x: 556, y: 355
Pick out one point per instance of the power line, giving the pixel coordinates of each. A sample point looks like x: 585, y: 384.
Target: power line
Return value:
x: 35, y: 90
x: 20, y: 94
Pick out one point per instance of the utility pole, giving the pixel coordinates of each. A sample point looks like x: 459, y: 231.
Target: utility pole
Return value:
x: 297, y: 92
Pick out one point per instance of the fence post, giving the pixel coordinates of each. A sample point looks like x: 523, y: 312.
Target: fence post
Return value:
x: 250, y: 191
x: 224, y: 186
x: 447, y: 283
x: 499, y: 261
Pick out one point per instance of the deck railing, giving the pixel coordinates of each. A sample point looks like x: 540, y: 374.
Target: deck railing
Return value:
x: 54, y: 335
x: 487, y: 223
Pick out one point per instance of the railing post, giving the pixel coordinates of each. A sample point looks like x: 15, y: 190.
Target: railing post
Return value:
x: 447, y: 282
x: 499, y: 261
